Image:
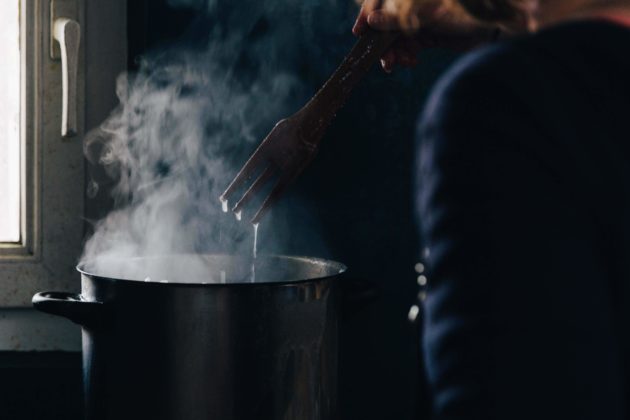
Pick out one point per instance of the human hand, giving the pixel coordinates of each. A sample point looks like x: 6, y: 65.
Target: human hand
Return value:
x: 431, y: 24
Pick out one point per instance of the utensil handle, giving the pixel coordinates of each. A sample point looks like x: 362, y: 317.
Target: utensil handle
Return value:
x: 68, y: 33
x: 321, y: 109
x: 69, y: 305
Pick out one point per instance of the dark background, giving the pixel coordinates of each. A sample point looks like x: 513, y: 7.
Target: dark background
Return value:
x: 358, y: 193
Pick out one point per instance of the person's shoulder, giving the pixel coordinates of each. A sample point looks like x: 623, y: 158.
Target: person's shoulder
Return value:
x: 481, y: 73
x: 484, y: 96
x: 483, y: 63
x: 517, y: 69
x: 518, y: 59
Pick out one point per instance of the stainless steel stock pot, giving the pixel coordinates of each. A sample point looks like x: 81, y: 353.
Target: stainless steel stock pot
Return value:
x: 177, y: 346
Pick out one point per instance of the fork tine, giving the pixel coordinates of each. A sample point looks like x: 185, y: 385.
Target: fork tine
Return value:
x: 275, y: 194
x: 257, y: 185
x: 244, y: 174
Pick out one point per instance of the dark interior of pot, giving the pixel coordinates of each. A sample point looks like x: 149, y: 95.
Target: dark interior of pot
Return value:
x: 213, y: 269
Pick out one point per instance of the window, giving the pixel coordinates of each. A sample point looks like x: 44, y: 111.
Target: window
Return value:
x: 9, y: 122
x: 42, y: 175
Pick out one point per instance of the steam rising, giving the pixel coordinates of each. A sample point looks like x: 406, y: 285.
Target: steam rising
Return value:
x: 184, y: 124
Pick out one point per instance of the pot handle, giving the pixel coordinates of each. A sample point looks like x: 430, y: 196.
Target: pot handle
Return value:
x: 69, y: 305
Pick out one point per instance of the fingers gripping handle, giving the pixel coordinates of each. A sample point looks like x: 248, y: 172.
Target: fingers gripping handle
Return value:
x: 365, y: 52
x: 68, y: 32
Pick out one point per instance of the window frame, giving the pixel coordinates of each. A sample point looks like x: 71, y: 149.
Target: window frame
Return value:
x: 25, y: 249
x: 51, y: 207
x: 52, y: 168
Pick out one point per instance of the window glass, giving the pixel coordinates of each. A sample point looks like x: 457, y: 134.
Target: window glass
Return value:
x: 9, y: 121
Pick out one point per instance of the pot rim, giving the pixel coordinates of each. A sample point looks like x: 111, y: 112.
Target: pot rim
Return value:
x: 341, y: 269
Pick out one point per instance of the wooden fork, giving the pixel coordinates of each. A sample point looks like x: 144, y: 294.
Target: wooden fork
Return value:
x: 293, y: 142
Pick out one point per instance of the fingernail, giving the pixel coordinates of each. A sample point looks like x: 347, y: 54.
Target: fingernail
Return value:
x: 373, y: 19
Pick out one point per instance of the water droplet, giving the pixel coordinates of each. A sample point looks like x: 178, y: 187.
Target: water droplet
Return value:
x: 224, y: 205
x: 254, y: 253
x: 255, y: 240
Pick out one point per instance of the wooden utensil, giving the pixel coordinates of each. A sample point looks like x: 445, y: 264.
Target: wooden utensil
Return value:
x: 293, y: 142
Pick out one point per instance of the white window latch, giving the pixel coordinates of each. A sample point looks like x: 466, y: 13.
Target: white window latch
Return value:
x: 67, y: 32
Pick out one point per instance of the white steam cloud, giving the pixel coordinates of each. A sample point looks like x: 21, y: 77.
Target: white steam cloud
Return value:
x: 171, y: 145
x: 188, y: 119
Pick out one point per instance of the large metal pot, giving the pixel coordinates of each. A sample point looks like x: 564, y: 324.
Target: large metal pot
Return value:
x: 199, y: 349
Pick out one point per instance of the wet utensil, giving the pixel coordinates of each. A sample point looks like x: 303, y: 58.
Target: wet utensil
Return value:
x: 292, y: 144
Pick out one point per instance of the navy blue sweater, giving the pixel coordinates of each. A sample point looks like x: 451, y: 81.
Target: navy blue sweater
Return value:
x: 524, y: 207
